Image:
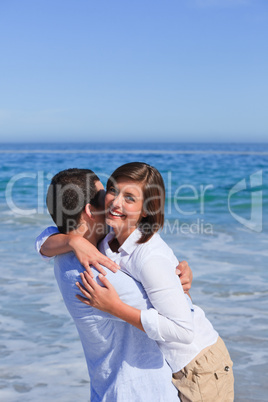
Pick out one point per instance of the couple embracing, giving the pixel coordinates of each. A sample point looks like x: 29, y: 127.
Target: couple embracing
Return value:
x: 142, y: 337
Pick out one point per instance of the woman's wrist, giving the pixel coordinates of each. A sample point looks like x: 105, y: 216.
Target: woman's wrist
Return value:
x: 72, y: 241
x: 127, y: 313
x: 116, y: 308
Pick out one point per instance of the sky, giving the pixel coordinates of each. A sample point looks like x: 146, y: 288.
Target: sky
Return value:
x: 125, y: 70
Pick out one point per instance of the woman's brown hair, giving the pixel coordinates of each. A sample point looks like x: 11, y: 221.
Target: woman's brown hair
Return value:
x: 153, y: 194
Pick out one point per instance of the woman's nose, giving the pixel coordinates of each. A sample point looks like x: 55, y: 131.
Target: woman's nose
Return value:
x: 117, y: 201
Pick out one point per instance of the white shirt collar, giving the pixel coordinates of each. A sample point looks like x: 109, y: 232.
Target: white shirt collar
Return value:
x: 128, y: 246
x: 130, y: 243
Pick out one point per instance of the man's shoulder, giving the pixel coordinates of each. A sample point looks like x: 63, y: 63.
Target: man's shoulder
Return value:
x: 67, y: 271
x: 67, y: 259
x: 67, y: 267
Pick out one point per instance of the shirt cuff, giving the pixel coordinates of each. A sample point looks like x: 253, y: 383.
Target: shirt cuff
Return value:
x: 40, y: 240
x: 190, y: 303
x: 150, y: 323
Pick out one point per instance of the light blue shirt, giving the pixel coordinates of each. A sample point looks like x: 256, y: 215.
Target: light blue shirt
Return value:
x: 124, y: 365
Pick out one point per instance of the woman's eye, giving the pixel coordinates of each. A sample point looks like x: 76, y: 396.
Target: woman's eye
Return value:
x: 129, y: 198
x: 112, y: 190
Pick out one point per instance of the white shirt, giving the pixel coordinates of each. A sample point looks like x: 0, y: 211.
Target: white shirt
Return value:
x: 181, y: 329
x: 123, y: 363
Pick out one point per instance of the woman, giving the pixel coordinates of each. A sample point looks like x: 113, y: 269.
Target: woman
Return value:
x: 134, y: 207
x: 197, y: 355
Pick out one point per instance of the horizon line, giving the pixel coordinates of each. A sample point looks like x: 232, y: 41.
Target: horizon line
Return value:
x: 133, y: 151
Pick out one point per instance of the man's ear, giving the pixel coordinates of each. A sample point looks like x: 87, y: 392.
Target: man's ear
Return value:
x: 87, y: 211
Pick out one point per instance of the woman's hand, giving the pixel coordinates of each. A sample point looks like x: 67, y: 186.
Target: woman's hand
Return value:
x: 104, y: 298
x: 87, y: 254
x: 185, y: 274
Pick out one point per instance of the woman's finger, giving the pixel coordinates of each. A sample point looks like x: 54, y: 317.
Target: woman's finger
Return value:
x: 105, y: 282
x: 83, y: 300
x: 88, y: 290
x: 88, y: 269
x: 99, y: 268
x: 88, y: 282
x: 109, y: 264
x: 83, y: 290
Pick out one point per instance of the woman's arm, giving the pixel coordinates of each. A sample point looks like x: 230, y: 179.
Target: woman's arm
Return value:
x: 171, y: 317
x: 86, y: 253
x: 51, y: 243
x: 56, y: 244
x: 105, y: 298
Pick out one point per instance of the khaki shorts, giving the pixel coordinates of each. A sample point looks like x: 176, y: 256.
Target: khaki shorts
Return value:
x: 208, y: 377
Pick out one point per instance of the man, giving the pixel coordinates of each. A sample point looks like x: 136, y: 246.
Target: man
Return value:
x: 123, y: 363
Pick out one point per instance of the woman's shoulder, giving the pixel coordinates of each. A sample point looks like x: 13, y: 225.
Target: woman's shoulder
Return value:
x: 155, y: 247
x: 156, y: 241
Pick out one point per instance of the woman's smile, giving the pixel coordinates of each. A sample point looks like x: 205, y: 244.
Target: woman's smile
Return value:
x: 115, y: 213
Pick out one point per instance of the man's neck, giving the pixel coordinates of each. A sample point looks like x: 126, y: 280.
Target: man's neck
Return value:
x: 92, y: 239
x: 84, y: 231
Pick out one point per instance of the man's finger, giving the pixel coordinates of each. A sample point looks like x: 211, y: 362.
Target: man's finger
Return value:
x: 184, y: 268
x: 184, y: 279
x: 186, y: 288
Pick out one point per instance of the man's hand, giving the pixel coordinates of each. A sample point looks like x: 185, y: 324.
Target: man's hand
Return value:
x: 185, y: 274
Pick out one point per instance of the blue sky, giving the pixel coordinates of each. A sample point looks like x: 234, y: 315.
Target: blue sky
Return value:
x: 143, y: 70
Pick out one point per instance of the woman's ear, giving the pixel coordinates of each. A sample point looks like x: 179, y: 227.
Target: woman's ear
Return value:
x: 143, y: 214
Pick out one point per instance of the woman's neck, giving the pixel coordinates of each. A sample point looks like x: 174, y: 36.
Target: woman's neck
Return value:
x: 119, y: 239
x: 114, y: 245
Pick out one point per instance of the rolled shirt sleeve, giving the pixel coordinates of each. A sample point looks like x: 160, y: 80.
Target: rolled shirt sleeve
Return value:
x: 171, y: 317
x: 40, y: 240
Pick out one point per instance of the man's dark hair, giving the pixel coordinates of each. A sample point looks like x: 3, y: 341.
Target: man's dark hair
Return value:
x: 69, y: 192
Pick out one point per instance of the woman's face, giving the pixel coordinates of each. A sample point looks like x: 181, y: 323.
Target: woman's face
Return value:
x: 123, y: 206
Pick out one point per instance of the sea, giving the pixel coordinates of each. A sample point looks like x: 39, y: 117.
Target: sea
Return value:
x: 215, y: 219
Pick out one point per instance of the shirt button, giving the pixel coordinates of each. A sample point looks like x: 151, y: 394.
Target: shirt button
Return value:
x: 227, y: 368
